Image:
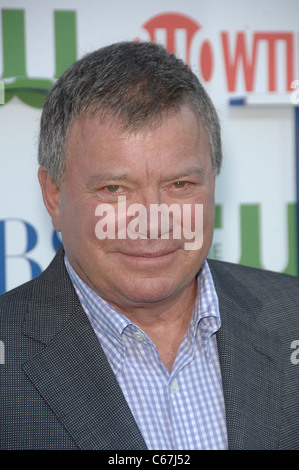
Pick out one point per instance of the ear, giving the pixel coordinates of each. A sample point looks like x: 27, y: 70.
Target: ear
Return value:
x: 51, y: 196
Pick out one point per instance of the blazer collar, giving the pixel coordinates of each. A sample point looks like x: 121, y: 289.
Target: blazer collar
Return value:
x: 71, y: 372
x: 251, y: 365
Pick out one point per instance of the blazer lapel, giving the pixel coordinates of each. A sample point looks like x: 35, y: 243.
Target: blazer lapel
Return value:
x: 72, y: 372
x: 251, y: 365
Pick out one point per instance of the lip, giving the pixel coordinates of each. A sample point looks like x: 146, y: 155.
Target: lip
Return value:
x: 158, y: 254
x: 149, y: 258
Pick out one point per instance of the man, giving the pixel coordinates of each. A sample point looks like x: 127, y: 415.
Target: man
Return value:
x: 131, y: 339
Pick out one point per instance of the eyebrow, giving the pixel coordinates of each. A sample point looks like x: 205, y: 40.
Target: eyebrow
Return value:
x: 192, y: 171
x: 103, y: 178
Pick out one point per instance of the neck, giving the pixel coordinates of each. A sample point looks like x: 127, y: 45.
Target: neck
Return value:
x: 166, y: 324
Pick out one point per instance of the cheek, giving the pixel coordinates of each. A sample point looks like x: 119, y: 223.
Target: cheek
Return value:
x: 198, y: 224
x: 77, y: 218
x: 209, y: 218
x: 199, y: 212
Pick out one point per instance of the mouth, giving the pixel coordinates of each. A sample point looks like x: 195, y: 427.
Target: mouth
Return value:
x: 149, y: 254
x: 149, y: 258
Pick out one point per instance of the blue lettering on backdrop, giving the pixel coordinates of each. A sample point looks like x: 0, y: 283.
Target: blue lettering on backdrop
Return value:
x: 30, y: 243
x: 56, y: 241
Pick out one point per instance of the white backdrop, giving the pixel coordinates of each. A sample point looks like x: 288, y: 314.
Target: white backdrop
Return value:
x: 238, y: 49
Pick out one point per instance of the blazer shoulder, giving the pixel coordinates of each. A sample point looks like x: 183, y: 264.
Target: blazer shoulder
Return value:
x: 271, y: 297
x: 253, y: 275
x: 16, y: 300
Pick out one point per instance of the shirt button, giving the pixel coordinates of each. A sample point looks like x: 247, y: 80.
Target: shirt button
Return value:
x: 174, y: 385
x: 139, y: 336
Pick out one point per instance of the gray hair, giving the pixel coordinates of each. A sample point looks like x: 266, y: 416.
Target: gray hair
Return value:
x: 135, y: 83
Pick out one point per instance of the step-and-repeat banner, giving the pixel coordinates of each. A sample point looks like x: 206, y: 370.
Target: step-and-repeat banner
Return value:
x: 246, y: 55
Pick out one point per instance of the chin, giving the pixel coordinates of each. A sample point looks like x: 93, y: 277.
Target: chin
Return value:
x: 151, y: 290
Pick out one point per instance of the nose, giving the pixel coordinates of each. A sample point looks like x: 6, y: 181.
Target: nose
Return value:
x: 153, y: 215
x: 152, y: 199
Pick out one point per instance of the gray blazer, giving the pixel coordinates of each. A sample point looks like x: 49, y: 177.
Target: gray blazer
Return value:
x: 59, y: 392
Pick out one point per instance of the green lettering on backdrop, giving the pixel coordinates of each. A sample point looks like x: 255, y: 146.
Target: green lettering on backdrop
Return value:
x: 13, y: 40
x: 33, y: 91
x: 65, y: 40
x: 250, y: 235
x: 218, y: 216
x: 250, y: 230
x: 251, y: 238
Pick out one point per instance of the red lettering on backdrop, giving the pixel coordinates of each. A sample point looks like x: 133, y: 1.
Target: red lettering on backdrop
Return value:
x: 232, y: 62
x: 206, y: 60
x: 272, y: 39
x: 241, y: 57
x: 171, y: 22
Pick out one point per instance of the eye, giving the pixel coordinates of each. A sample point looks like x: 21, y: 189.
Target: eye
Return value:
x: 113, y: 188
x: 180, y: 184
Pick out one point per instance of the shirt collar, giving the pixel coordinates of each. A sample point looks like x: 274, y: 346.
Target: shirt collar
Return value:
x: 98, y: 310
x: 106, y: 320
x: 206, y: 314
x: 108, y: 324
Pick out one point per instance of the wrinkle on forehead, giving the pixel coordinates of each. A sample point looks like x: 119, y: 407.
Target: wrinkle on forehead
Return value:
x: 86, y: 128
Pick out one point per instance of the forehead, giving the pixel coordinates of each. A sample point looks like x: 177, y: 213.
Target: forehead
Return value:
x: 179, y: 135
x: 185, y: 115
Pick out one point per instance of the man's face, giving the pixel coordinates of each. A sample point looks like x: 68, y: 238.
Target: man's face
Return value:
x: 170, y: 164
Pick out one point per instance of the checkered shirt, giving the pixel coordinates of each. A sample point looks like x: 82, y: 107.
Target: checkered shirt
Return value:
x: 178, y: 410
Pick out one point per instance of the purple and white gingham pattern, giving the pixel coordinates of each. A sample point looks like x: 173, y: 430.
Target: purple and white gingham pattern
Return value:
x: 178, y: 410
